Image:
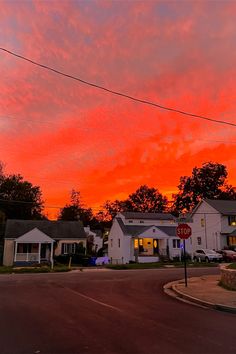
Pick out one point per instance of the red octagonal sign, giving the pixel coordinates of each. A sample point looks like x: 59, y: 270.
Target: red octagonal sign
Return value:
x: 183, y: 231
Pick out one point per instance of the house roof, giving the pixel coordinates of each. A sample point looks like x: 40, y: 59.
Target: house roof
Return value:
x: 150, y: 216
x: 135, y: 230
x: 225, y: 207
x: 55, y: 229
x: 233, y: 233
x: 35, y: 236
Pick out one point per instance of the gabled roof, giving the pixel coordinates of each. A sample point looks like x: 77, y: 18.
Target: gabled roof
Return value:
x: 233, y: 233
x: 135, y: 230
x: 35, y: 236
x: 150, y: 216
x: 225, y: 207
x: 55, y: 229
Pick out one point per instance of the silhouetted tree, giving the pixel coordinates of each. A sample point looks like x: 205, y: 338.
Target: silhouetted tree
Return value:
x: 76, y: 210
x: 19, y: 199
x: 208, y: 181
x: 111, y: 208
x: 146, y: 199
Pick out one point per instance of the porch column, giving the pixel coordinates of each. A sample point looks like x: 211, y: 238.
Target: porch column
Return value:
x: 16, y: 246
x: 27, y: 253
x: 39, y: 255
x: 51, y: 255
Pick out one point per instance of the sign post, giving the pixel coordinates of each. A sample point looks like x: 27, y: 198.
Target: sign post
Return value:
x: 184, y: 231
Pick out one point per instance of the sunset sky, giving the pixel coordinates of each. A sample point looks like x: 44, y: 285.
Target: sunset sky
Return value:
x: 61, y: 134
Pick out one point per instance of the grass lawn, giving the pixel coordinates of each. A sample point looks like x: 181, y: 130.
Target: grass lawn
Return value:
x: 159, y: 265
x: 232, y: 266
x: 43, y: 269
x: 135, y: 266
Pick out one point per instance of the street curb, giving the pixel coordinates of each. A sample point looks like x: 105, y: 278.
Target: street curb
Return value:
x: 172, y: 287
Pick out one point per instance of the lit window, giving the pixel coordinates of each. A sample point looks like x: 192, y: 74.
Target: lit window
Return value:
x: 232, y: 240
x: 140, y: 242
x: 232, y: 220
x: 136, y: 243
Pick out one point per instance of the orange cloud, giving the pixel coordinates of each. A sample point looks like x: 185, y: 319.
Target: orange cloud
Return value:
x: 61, y: 134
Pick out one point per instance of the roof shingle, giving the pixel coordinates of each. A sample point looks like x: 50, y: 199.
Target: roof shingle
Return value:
x: 135, y: 230
x: 54, y: 229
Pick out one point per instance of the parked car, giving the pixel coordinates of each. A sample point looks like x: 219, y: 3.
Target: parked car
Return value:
x: 228, y: 255
x: 102, y: 260
x: 207, y: 255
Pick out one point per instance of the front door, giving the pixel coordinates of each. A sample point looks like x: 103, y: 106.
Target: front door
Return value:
x: 155, y: 246
x: 43, y: 250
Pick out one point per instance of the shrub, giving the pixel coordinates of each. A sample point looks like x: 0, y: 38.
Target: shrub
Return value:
x: 62, y: 259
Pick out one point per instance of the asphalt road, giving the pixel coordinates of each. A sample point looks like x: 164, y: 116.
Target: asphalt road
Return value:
x: 107, y: 312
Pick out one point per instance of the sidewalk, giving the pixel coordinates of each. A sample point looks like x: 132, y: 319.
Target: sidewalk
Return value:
x: 204, y: 291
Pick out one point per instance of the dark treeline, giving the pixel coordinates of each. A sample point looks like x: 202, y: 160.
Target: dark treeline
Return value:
x: 207, y: 181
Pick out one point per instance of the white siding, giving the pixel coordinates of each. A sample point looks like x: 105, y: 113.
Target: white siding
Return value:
x: 115, y: 252
x: 146, y: 222
x: 207, y: 226
x: 225, y: 227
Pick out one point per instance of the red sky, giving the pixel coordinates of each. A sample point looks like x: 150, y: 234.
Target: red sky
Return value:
x: 61, y: 134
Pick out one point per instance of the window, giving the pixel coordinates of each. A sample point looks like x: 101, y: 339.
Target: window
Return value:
x: 118, y: 242
x: 231, y: 241
x: 199, y: 241
x: 232, y: 220
x: 154, y: 230
x: 68, y: 248
x: 141, y: 222
x: 176, y: 243
x: 27, y: 247
x: 111, y: 242
x: 202, y: 222
x: 130, y: 221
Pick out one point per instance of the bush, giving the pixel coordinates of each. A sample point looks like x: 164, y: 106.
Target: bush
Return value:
x: 100, y: 252
x: 62, y: 259
x: 187, y: 257
x: 76, y: 259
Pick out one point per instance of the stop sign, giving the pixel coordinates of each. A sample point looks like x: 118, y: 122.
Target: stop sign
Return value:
x: 183, y: 231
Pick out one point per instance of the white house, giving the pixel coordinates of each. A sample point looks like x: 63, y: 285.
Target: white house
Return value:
x: 214, y: 224
x: 143, y: 237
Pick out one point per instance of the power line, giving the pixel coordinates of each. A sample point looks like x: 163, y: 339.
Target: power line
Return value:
x: 116, y: 92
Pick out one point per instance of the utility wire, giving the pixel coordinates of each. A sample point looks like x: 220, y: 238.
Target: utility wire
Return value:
x: 150, y: 103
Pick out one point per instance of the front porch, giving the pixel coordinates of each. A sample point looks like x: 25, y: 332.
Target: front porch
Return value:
x: 147, y: 250
x: 32, y: 253
x: 33, y: 247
